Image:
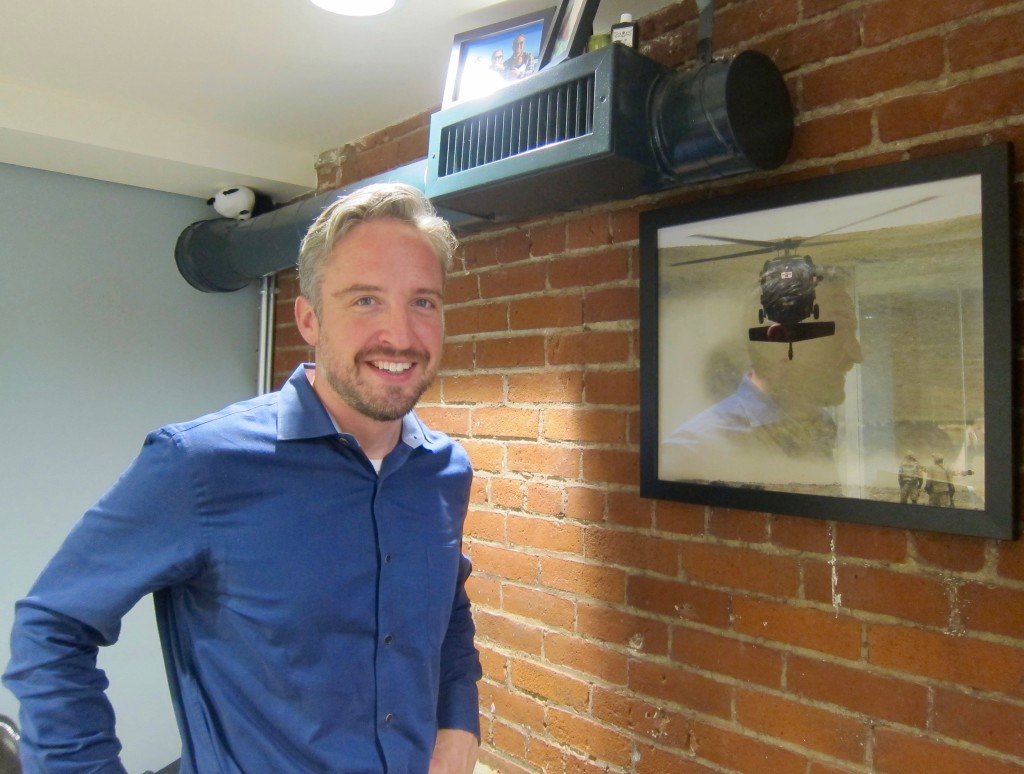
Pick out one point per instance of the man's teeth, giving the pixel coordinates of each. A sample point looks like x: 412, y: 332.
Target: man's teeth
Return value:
x: 395, y: 368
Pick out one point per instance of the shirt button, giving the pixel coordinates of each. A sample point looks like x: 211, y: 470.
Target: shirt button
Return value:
x: 388, y: 718
x: 387, y: 558
x: 388, y: 639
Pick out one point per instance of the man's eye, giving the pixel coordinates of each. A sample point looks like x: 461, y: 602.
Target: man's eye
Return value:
x: 364, y: 300
x: 425, y: 303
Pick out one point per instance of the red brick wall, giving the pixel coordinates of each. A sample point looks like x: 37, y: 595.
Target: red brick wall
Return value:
x: 627, y: 635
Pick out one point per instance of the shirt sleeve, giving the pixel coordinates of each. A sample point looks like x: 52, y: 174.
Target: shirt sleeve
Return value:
x: 458, y: 700
x: 141, y: 536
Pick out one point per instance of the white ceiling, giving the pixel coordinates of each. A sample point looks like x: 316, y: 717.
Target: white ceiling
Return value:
x: 189, y: 96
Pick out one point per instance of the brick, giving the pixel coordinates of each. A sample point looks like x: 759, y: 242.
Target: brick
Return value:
x: 510, y: 739
x: 795, y: 46
x: 986, y: 41
x: 546, y: 387
x: 588, y: 231
x: 538, y: 605
x: 970, y: 662
x: 583, y: 425
x: 485, y: 525
x: 478, y: 253
x: 832, y: 135
x: 905, y: 595
x: 513, y: 280
x: 585, y: 503
x: 460, y: 288
x: 654, y: 760
x: 611, y: 466
x: 729, y: 524
x: 457, y: 356
x: 591, y: 270
x: 476, y: 388
x: 868, y: 542
x: 512, y: 247
x: 898, y: 752
x: 611, y: 305
x: 620, y: 388
x: 628, y: 509
x: 493, y: 664
x: 545, y: 683
x: 543, y: 499
x: 588, y: 657
x: 727, y: 656
x: 803, y: 725
x: 884, y: 22
x: 740, y: 568
x: 447, y: 419
x: 807, y: 535
x: 640, y: 718
x: 995, y: 725
x: 891, y: 68
x: 510, y: 352
x: 510, y: 706
x: 476, y: 318
x: 484, y: 592
x: 543, y: 459
x: 679, y: 600
x: 976, y: 102
x: 622, y: 628
x: 802, y: 627
x: 681, y: 687
x: 858, y: 690
x: 503, y: 563
x: 506, y: 493
x: 546, y: 534
x: 583, y: 579
x: 738, y: 751
x: 680, y: 518
x: 484, y: 455
x: 950, y: 552
x: 992, y: 609
x: 631, y: 549
x: 589, y: 738
x: 505, y: 422
x: 546, y: 312
x: 590, y: 347
x: 547, y: 239
x: 508, y: 634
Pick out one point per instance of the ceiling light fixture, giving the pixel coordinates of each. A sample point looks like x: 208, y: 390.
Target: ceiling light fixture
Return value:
x: 355, y: 7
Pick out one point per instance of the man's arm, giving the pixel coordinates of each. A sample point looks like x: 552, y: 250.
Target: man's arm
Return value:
x: 455, y: 752
x: 133, y: 541
x: 458, y: 706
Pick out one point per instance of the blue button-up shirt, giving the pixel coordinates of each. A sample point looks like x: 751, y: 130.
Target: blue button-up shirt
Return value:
x: 312, y: 612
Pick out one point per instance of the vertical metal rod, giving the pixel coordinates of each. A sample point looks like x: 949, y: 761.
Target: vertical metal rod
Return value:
x: 265, y: 364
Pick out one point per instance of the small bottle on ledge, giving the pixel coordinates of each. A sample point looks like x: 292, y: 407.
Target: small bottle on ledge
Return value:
x: 626, y: 32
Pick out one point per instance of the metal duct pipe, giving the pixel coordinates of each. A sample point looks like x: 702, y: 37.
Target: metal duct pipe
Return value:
x: 222, y: 255
x: 724, y: 118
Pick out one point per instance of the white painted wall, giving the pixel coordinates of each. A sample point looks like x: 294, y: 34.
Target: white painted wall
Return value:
x: 101, y: 340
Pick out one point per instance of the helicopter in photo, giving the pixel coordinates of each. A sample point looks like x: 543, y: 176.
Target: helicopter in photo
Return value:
x: 788, y: 284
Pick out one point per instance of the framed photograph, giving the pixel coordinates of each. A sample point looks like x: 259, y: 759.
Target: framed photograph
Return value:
x: 485, y: 59
x: 573, y: 26
x: 839, y: 348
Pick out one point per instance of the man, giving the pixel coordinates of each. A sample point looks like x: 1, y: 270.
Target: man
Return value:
x: 776, y: 430
x: 521, y: 63
x: 303, y: 547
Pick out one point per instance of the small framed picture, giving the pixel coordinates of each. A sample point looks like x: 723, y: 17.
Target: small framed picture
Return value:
x: 573, y: 26
x: 486, y: 59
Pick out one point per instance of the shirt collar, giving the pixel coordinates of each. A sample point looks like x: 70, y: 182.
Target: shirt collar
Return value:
x: 302, y: 415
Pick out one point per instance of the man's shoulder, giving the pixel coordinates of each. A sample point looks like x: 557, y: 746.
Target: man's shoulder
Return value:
x: 249, y: 413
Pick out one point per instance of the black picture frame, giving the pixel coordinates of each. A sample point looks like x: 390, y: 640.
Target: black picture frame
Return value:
x: 471, y: 73
x: 574, y: 23
x: 910, y: 266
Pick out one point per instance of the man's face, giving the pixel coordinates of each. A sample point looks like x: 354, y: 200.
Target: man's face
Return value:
x: 816, y: 376
x: 379, y: 334
x: 518, y: 44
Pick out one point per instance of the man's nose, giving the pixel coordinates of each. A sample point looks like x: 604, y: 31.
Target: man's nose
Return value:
x: 396, y: 327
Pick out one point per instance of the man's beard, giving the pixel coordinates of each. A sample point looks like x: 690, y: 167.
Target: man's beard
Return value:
x: 388, y: 403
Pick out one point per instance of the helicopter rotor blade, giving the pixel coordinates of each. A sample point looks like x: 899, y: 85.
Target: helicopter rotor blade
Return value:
x: 870, y: 217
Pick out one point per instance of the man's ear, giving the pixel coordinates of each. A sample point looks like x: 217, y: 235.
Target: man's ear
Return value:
x: 306, y: 321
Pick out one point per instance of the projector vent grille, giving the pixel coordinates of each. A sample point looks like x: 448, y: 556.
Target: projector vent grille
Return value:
x: 564, y: 112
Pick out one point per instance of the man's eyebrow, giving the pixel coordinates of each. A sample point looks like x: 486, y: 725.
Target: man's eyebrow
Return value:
x: 359, y: 288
